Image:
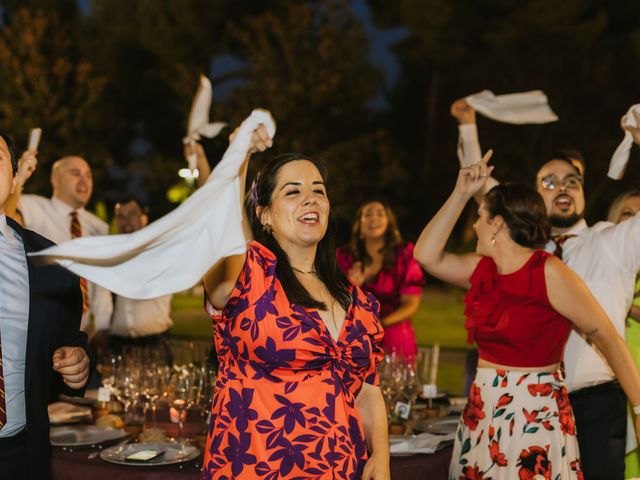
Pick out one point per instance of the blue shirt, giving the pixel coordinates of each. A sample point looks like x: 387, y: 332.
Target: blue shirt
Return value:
x: 14, y: 322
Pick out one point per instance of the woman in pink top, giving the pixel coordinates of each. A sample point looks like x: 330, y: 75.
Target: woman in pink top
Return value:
x: 378, y: 260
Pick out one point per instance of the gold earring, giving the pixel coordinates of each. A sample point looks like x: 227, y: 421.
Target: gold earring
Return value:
x: 266, y: 228
x: 493, y: 239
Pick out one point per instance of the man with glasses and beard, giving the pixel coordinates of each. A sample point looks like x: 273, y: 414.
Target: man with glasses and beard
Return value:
x: 607, y: 257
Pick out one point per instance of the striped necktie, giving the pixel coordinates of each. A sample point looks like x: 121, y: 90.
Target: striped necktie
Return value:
x: 76, y: 231
x: 3, y: 407
x: 559, y: 241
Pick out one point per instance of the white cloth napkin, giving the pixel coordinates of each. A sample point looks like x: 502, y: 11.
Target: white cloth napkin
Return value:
x: 62, y: 412
x: 174, y: 252
x: 422, y: 443
x: 620, y: 157
x: 516, y: 108
x: 199, y: 119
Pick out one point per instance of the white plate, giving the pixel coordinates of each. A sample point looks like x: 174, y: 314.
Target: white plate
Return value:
x: 84, y: 435
x: 438, y: 426
x: 171, y: 454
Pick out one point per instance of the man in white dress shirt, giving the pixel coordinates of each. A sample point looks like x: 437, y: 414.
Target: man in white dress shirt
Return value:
x: 137, y: 322
x: 607, y: 257
x: 72, y: 183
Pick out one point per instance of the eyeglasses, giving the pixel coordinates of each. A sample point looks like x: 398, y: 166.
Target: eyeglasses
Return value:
x: 552, y: 182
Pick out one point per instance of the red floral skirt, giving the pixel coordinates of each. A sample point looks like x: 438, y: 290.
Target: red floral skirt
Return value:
x: 516, y: 426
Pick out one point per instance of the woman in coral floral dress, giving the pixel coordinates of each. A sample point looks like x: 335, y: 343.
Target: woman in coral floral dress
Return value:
x: 296, y: 395
x: 521, y: 306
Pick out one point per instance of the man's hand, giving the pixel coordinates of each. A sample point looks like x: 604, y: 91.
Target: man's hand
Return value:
x: 193, y: 149
x: 463, y: 112
x: 26, y: 166
x: 73, y: 364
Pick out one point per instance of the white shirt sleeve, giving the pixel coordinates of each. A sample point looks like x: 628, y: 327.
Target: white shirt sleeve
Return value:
x: 623, y: 242
x: 469, y: 151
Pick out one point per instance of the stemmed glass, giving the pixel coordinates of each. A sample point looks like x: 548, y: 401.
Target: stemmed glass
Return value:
x: 182, y: 396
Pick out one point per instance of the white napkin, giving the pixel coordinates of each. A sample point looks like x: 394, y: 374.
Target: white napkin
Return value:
x: 422, y: 443
x: 199, y: 119
x: 174, y: 252
x: 62, y: 412
x: 620, y: 157
x: 516, y: 108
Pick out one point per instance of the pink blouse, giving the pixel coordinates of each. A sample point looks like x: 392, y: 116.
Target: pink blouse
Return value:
x: 405, y: 277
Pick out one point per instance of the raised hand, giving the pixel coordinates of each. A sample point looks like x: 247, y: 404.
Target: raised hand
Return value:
x: 471, y: 179
x: 26, y: 166
x: 463, y: 112
x: 634, y: 131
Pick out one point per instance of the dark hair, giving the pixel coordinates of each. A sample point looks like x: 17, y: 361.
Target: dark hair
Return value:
x: 523, y: 210
x: 334, y: 279
x: 392, y: 237
x: 12, y: 152
x: 130, y: 198
x: 569, y: 154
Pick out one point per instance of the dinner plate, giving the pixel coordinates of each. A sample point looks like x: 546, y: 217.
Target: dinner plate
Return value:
x: 438, y: 426
x: 171, y: 454
x: 84, y: 435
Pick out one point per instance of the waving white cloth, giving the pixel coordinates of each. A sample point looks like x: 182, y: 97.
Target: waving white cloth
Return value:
x: 174, y: 252
x: 620, y: 157
x: 516, y: 108
x: 199, y: 119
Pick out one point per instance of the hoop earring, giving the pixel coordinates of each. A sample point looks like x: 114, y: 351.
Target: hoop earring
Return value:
x: 493, y: 239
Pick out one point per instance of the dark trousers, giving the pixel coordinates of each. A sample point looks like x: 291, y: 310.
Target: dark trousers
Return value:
x: 14, y: 461
x: 601, y: 421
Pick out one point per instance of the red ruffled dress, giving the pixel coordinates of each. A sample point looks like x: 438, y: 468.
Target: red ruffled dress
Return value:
x: 284, y: 402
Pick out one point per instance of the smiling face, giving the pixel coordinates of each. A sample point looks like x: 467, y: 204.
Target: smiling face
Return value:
x: 129, y: 217
x: 7, y: 177
x: 72, y: 181
x: 629, y: 208
x: 565, y: 202
x: 299, y: 209
x: 374, y: 221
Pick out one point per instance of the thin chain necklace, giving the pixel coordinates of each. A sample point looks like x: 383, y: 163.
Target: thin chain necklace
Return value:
x: 310, y: 272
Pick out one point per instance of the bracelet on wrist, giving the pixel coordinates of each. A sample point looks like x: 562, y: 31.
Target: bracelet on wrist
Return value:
x: 636, y: 409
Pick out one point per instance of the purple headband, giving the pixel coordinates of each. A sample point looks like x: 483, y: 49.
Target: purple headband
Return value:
x: 254, y: 191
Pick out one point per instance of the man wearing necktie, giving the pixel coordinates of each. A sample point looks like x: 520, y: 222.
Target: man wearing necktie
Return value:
x: 607, y: 257
x: 42, y: 349
x: 63, y: 217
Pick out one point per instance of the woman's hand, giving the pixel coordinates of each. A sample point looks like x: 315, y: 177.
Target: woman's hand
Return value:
x: 634, y: 131
x: 471, y: 179
x: 377, y: 468
x: 357, y: 274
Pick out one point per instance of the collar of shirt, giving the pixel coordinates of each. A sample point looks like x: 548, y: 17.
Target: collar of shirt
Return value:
x: 6, y: 232
x: 64, y: 208
x: 577, y: 228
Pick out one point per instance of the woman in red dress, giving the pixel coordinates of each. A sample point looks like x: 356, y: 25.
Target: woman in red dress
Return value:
x: 297, y: 392
x: 521, y: 306
x: 382, y: 264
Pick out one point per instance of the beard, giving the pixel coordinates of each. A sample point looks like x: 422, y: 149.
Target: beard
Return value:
x: 565, y: 221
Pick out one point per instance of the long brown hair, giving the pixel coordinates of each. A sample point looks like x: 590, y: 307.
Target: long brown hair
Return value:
x: 392, y: 237
x: 330, y: 275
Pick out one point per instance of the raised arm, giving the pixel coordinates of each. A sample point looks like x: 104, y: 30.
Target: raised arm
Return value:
x: 570, y: 296
x: 204, y: 169
x: 468, y: 149
x: 429, y: 251
x: 220, y: 279
x: 26, y: 166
